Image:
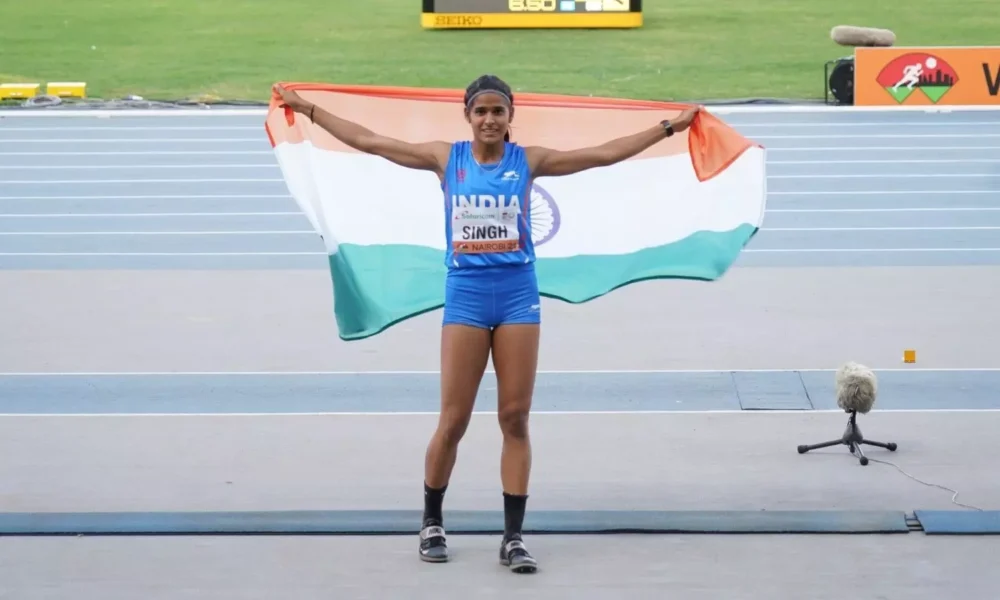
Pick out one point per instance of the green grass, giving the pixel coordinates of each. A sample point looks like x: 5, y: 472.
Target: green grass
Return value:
x: 235, y: 49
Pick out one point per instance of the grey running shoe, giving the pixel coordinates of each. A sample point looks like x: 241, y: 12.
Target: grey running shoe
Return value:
x: 515, y: 555
x: 432, y: 543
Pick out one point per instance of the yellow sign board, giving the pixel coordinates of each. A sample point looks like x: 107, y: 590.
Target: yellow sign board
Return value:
x: 531, y: 14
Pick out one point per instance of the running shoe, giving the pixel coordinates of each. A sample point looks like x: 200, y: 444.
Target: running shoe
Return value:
x: 433, y: 546
x: 515, y: 555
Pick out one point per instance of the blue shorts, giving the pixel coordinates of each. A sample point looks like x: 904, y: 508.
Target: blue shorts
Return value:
x: 488, y: 297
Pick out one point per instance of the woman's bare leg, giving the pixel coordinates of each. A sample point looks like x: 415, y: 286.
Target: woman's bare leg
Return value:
x: 515, y: 359
x: 465, y: 351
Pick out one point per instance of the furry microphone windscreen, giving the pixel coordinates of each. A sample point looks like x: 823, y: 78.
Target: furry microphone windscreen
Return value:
x: 856, y: 388
x: 849, y: 35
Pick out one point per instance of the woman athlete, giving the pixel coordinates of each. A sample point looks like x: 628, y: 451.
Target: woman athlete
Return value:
x: 491, y: 294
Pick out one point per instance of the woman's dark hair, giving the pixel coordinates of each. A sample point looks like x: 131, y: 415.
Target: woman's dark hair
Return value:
x: 489, y: 83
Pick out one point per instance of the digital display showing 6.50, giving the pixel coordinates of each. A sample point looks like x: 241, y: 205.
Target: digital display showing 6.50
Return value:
x: 536, y: 6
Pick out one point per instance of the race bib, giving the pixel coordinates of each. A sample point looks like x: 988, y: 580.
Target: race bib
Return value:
x: 479, y: 229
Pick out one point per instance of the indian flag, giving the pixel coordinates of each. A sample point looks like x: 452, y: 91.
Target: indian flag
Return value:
x: 684, y: 208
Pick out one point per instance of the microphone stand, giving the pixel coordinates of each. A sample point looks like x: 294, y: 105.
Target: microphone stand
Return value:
x: 853, y: 439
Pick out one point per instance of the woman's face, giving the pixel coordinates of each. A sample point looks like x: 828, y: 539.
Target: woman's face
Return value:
x: 490, y: 117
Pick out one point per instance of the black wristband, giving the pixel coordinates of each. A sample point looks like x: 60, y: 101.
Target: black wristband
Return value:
x: 311, y: 110
x: 667, y: 127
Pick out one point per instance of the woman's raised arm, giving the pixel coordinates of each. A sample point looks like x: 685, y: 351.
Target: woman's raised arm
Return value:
x: 546, y: 162
x: 426, y: 156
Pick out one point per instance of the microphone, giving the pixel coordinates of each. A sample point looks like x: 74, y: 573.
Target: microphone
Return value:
x: 856, y: 388
x: 850, y: 35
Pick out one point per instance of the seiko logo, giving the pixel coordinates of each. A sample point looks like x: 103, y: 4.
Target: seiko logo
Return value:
x: 458, y: 21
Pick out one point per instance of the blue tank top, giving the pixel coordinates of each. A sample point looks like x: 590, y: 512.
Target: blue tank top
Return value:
x: 487, y: 209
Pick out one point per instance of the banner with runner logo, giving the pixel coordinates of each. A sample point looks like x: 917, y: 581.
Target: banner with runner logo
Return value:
x: 684, y: 208
x: 944, y: 76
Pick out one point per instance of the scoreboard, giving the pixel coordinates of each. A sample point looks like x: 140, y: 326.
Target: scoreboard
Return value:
x: 531, y: 14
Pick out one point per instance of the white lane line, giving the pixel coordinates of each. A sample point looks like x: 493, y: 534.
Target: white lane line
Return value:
x: 868, y: 136
x: 263, y: 138
x: 159, y: 197
x: 281, y: 180
x: 138, y: 233
x: 117, y: 167
x: 56, y: 167
x: 489, y: 413
x: 299, y: 214
x: 942, y: 193
x: 312, y: 232
x: 863, y: 149
x: 144, y: 153
x: 154, y: 215
x: 888, y: 210
x: 488, y: 371
x: 883, y: 175
x: 868, y: 124
x: 110, y: 181
x: 747, y: 250
x: 125, y: 127
x: 135, y: 140
x: 171, y: 254
x: 920, y: 161
x: 862, y: 250
x: 147, y: 215
x: 974, y: 228
x: 852, y: 149
x: 886, y: 192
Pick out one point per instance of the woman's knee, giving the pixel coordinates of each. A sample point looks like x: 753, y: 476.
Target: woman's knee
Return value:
x: 452, y: 427
x: 514, y: 420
